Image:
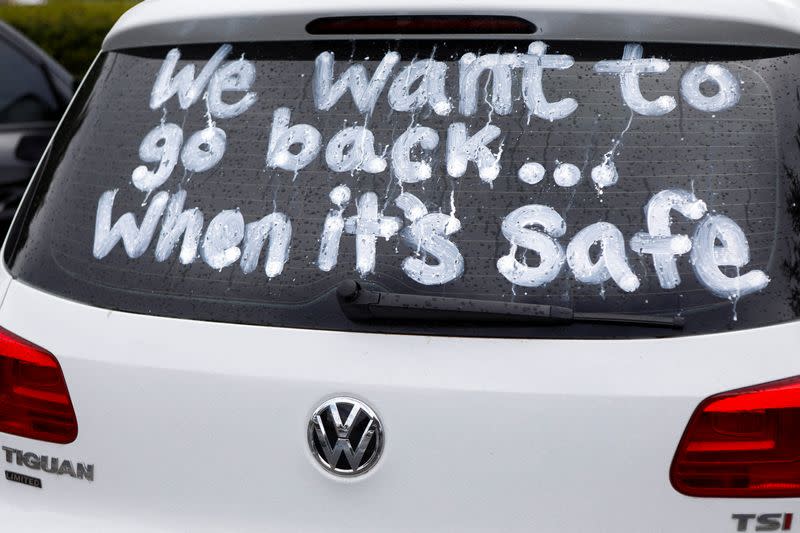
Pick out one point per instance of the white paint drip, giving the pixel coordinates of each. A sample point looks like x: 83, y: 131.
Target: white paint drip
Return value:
x: 605, y: 174
x: 453, y: 219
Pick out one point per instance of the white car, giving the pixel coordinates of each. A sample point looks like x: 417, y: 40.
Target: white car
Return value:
x: 430, y: 266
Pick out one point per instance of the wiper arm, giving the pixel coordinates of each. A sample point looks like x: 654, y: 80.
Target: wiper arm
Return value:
x: 360, y: 304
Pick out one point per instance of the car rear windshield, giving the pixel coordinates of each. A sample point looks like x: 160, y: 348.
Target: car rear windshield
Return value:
x: 243, y: 183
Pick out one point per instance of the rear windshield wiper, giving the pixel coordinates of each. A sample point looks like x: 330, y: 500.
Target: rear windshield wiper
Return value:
x: 360, y: 304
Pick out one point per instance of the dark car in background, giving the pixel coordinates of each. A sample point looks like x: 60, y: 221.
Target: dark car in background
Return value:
x: 34, y: 94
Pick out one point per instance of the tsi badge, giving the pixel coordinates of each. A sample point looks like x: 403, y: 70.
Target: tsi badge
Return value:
x: 345, y: 436
x: 763, y: 522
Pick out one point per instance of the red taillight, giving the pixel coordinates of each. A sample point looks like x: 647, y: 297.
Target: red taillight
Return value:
x: 743, y: 443
x: 34, y: 400
x: 420, y: 25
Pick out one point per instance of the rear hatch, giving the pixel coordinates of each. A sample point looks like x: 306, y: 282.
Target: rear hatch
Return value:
x: 180, y: 248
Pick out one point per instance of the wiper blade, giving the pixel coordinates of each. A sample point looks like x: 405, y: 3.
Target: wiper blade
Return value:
x: 360, y: 304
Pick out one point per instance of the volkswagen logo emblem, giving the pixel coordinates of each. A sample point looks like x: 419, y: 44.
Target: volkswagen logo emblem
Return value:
x: 345, y: 436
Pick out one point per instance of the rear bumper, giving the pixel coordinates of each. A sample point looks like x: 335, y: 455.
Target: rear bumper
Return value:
x: 200, y: 426
x: 32, y: 516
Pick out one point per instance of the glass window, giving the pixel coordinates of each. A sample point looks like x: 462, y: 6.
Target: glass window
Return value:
x: 243, y: 184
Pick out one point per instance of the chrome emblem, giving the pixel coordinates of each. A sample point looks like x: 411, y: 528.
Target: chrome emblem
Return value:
x: 345, y: 436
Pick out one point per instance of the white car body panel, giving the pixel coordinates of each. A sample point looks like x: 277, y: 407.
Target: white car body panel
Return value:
x: 753, y: 22
x: 194, y: 425
x: 198, y: 426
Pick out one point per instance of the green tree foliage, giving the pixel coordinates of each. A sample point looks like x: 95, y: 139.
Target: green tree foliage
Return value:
x: 71, y: 31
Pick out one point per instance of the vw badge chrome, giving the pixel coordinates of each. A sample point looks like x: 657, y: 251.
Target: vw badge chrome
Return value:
x: 345, y: 436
